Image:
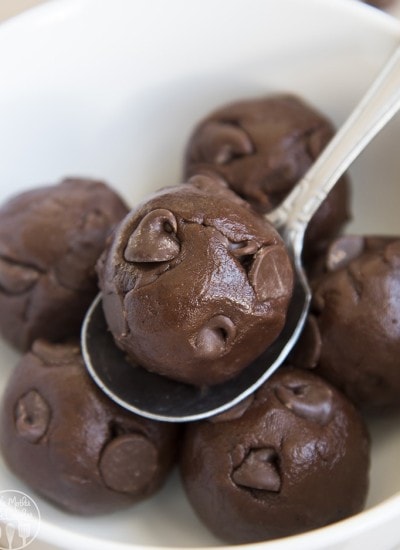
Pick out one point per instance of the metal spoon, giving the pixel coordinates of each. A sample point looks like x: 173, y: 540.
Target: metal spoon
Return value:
x: 159, y: 398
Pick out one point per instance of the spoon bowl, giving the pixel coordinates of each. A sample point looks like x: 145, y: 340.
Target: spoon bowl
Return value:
x: 159, y: 398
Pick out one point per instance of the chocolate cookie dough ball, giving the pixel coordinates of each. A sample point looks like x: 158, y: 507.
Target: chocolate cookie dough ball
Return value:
x: 262, y: 148
x: 50, y: 240
x: 195, y: 285
x: 356, y: 309
x: 64, y: 438
x: 296, y: 459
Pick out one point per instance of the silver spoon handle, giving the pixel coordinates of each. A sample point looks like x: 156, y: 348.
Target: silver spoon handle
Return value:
x: 376, y: 108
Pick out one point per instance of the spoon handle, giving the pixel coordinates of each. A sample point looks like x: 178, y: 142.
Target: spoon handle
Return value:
x: 376, y: 108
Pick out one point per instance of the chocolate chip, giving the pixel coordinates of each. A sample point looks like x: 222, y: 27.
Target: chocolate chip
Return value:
x: 128, y: 463
x: 215, y: 337
x: 312, y: 401
x: 154, y: 239
x: 244, y: 252
x: 32, y: 416
x: 221, y: 142
x: 259, y: 470
x: 271, y: 273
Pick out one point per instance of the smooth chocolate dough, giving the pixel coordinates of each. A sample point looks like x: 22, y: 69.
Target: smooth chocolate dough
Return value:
x: 50, y: 240
x: 355, y: 317
x: 195, y: 284
x: 261, y: 148
x: 63, y: 437
x: 293, y: 458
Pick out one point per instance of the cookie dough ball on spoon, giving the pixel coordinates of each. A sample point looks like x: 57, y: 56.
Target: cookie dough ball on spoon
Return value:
x: 195, y: 284
x: 262, y: 148
x: 50, y: 240
x: 66, y: 440
x: 297, y: 458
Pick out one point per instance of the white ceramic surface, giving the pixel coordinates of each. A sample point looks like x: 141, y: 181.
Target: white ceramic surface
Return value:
x: 111, y: 88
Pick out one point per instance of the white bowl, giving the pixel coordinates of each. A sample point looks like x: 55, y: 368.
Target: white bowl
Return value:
x: 112, y: 88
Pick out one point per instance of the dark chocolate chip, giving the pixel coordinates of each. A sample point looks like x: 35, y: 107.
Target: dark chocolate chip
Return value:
x: 154, y: 239
x: 244, y: 252
x: 222, y: 142
x: 312, y: 401
x: 32, y: 416
x: 215, y: 337
x: 270, y: 274
x: 128, y: 463
x: 259, y: 470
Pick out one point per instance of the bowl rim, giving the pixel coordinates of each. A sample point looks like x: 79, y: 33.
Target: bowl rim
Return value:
x: 338, y: 532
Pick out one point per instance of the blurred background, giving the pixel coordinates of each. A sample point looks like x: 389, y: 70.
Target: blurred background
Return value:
x: 8, y: 8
